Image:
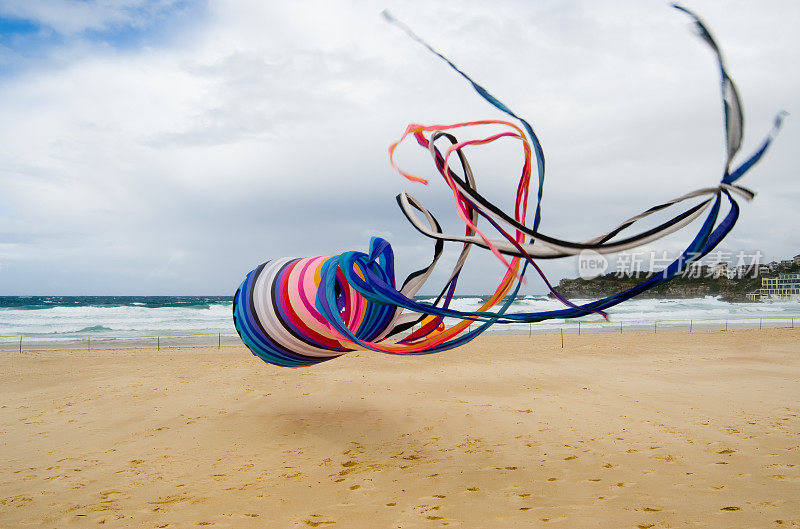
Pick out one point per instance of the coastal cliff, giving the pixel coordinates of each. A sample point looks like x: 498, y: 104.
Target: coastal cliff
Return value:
x: 734, y: 290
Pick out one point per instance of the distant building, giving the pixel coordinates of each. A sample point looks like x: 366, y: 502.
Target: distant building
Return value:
x: 782, y: 288
x: 796, y: 259
x: 740, y: 272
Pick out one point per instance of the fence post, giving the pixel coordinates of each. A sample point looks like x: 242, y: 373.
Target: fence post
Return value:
x: 20, y: 344
x: 219, y: 340
x: 620, y: 327
x: 562, y: 337
x: 759, y: 324
x: 579, y: 328
x: 690, y: 325
x: 655, y: 326
x: 726, y: 325
x: 158, y: 343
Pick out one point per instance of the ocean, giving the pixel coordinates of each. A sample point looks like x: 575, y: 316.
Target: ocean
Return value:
x: 43, y: 322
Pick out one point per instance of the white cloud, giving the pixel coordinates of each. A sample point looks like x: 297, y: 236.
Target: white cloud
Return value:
x: 263, y: 130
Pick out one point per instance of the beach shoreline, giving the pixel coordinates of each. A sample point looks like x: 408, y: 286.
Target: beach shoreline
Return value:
x: 614, y: 430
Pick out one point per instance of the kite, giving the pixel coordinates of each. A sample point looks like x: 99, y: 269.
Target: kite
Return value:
x: 298, y: 312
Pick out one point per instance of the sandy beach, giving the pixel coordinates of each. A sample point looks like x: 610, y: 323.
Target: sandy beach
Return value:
x: 634, y: 430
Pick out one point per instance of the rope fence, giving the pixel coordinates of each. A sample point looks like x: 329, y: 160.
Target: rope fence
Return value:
x: 655, y: 326
x: 230, y: 339
x: 91, y: 342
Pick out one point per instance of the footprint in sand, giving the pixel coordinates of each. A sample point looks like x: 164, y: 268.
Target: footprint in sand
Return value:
x: 669, y: 458
x: 317, y: 523
x: 16, y: 501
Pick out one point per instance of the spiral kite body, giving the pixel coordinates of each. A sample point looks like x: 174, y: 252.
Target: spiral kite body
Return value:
x: 298, y: 312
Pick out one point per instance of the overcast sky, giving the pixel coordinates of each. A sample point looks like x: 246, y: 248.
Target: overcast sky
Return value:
x: 169, y: 147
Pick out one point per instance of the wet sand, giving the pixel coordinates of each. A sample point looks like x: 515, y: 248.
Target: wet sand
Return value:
x: 634, y: 430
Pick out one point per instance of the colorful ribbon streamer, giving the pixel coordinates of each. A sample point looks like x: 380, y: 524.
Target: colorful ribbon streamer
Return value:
x: 301, y: 311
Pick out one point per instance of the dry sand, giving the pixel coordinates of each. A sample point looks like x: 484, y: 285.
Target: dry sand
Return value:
x: 634, y: 430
